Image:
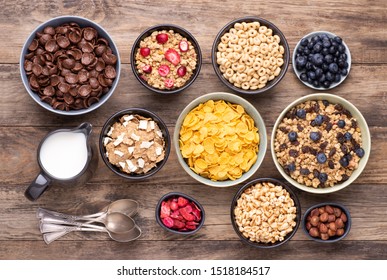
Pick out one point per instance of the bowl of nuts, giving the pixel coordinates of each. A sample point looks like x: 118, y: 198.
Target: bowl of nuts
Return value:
x: 321, y: 60
x: 166, y: 58
x: 220, y: 139
x: 179, y: 213
x: 250, y: 55
x: 265, y: 213
x: 134, y: 143
x: 327, y: 222
x: 70, y: 65
x: 320, y: 143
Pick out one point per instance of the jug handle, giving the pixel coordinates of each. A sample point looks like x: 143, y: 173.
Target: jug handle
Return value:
x: 37, y: 187
x: 86, y: 128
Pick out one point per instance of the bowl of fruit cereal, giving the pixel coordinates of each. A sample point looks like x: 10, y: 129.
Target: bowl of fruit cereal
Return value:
x: 220, y: 139
x: 166, y: 59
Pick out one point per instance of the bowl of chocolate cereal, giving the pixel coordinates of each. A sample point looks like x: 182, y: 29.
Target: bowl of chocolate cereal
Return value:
x: 134, y: 143
x: 166, y: 58
x: 320, y: 143
x: 265, y: 213
x: 250, y: 55
x: 220, y: 139
x: 70, y: 65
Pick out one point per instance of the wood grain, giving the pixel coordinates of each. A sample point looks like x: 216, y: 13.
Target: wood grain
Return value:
x: 23, y: 123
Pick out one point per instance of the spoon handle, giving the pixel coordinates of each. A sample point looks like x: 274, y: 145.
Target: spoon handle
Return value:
x: 48, y: 227
x: 42, y: 211
x: 51, y: 236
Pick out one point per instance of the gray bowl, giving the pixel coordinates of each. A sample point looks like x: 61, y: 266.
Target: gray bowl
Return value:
x: 83, y: 22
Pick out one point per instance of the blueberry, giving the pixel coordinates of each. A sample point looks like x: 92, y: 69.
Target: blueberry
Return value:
x: 329, y: 76
x: 337, y: 78
x: 323, y: 177
x: 310, y: 45
x: 319, y: 120
x: 334, y: 43
x: 291, y: 167
x: 304, y: 42
x: 333, y: 68
x: 341, y: 63
x: 338, y: 39
x: 301, y: 61
x: 341, y: 48
x: 317, y: 47
x: 318, y: 72
x: 312, y: 75
x: 292, y: 136
x: 344, y: 72
x: 315, y: 39
x: 325, y: 51
x: 310, y: 81
x: 308, y: 66
x: 322, y: 79
x: 306, y: 51
x: 318, y: 59
x: 343, y: 56
x: 348, y: 136
x: 359, y: 152
x: 341, y: 123
x: 321, y: 158
x: 316, y: 83
x: 328, y: 58
x: 304, y: 77
x: 325, y: 67
x: 332, y: 49
x: 326, y: 43
x: 301, y: 113
x: 300, y: 50
x: 344, y: 161
x: 326, y: 84
x: 315, y: 136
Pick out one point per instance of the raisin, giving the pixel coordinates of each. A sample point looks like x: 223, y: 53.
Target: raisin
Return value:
x: 353, y: 124
x: 340, y: 137
x: 344, y: 149
x: 316, y: 173
x: 304, y: 171
x: 332, y: 152
x: 284, y: 129
x: 323, y: 145
x: 339, y: 107
x: 283, y: 147
x: 305, y: 149
x: 347, y: 113
x: 331, y: 164
x: 300, y: 127
x: 329, y: 127
x: 293, y: 153
x: 345, y: 177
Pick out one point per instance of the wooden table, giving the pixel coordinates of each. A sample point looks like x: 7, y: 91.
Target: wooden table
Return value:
x: 23, y: 123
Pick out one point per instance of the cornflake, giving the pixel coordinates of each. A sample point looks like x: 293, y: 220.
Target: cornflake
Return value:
x: 219, y: 140
x: 135, y: 144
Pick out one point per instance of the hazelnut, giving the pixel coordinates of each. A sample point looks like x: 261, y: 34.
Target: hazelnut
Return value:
x: 321, y: 210
x: 324, y: 217
x: 308, y: 218
x: 337, y: 212
x: 315, y: 220
x: 331, y: 232
x: 314, y: 232
x: 340, y: 232
x: 331, y: 218
x: 329, y: 209
x: 315, y: 212
x: 324, y: 236
x: 343, y: 217
x: 323, y: 228
x: 332, y: 226
x: 308, y: 226
x: 339, y: 223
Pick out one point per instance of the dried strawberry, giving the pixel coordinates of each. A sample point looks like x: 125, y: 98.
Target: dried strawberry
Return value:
x: 165, y: 210
x: 174, y: 206
x: 181, y: 71
x: 163, y: 70
x: 192, y: 223
x: 145, y: 52
x: 186, y: 213
x: 176, y: 215
x: 162, y: 38
x: 197, y: 213
x: 169, y: 83
x: 168, y: 222
x: 147, y: 69
x: 181, y: 201
x: 178, y: 224
x: 183, y: 45
x: 172, y: 56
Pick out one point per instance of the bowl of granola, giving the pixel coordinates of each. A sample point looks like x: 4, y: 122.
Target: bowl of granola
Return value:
x: 166, y: 58
x: 265, y: 213
x: 134, y: 143
x: 320, y: 143
x: 250, y: 55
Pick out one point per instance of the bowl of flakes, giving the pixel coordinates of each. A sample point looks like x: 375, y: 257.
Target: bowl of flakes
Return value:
x: 220, y: 139
x: 134, y: 143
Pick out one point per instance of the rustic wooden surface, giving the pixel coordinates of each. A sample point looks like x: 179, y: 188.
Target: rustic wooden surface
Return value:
x: 362, y: 24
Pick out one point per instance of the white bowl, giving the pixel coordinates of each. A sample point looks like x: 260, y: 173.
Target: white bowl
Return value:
x: 250, y: 109
x: 365, y: 134
x: 298, y: 73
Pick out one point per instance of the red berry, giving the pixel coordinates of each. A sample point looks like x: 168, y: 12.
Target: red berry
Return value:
x: 163, y: 70
x: 162, y: 38
x: 172, y: 56
x: 183, y: 46
x: 143, y: 77
x: 181, y: 71
x: 169, y: 83
x: 147, y: 69
x: 145, y: 52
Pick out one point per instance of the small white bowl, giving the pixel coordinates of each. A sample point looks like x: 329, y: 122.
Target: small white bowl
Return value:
x: 298, y: 73
x: 365, y: 134
x: 250, y: 109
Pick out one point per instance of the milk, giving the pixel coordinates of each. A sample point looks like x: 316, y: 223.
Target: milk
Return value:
x: 64, y: 154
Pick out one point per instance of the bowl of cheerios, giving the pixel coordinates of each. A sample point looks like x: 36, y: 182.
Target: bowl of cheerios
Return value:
x: 220, y: 139
x: 265, y: 213
x: 250, y: 55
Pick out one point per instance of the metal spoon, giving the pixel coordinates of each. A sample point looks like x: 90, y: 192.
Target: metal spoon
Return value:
x: 127, y: 207
x: 52, y: 232
x: 114, y: 222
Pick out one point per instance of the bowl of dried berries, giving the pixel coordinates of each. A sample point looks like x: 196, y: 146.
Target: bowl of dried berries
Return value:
x: 220, y: 139
x: 70, y: 65
x: 265, y: 213
x: 134, y: 143
x: 320, y: 143
x: 179, y: 213
x: 166, y: 59
x: 326, y: 222
x: 250, y: 55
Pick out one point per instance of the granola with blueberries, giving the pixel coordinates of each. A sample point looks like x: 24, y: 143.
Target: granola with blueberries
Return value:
x: 318, y: 144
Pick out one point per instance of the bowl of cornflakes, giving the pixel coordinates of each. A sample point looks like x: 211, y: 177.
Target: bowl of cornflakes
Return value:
x: 220, y: 139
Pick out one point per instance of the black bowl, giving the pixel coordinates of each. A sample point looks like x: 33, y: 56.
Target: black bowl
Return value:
x: 347, y: 226
x: 183, y: 33
x: 145, y: 113
x: 276, y: 31
x: 296, y: 204
x: 190, y: 199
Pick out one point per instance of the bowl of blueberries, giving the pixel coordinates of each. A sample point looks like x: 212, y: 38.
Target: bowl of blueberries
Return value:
x: 321, y: 60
